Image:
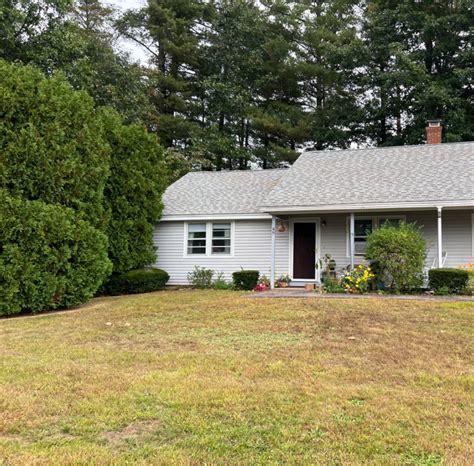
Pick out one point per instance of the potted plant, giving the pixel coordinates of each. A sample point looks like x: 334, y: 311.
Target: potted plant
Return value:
x: 328, y: 266
x: 283, y: 281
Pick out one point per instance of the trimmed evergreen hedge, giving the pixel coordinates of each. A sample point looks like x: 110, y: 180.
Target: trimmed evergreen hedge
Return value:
x: 53, y: 145
x: 245, y: 279
x: 136, y: 281
x: 49, y: 257
x: 455, y: 280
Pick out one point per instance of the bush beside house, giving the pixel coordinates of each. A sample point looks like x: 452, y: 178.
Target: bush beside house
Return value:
x: 143, y: 280
x: 98, y: 179
x: 448, y: 280
x: 49, y: 257
x: 203, y: 278
x: 245, y: 279
x: 398, y: 254
x: 132, y: 194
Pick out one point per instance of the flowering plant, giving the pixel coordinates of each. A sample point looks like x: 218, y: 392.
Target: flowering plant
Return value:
x: 468, y: 267
x: 358, y: 279
x: 263, y: 284
x: 260, y: 287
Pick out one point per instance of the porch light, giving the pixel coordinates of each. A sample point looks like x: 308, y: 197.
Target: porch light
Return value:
x: 281, y: 226
x: 323, y: 223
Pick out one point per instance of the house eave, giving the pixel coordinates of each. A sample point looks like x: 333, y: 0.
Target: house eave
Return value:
x: 211, y: 216
x: 370, y: 207
x: 267, y: 211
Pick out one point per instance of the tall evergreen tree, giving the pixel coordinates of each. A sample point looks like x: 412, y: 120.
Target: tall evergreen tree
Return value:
x: 170, y: 31
x: 230, y: 64
x: 329, y: 54
x: 277, y: 112
x: 419, y: 67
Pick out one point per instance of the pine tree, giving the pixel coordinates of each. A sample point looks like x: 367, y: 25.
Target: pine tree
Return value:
x: 170, y: 31
x: 229, y: 61
x: 418, y: 67
x: 329, y: 54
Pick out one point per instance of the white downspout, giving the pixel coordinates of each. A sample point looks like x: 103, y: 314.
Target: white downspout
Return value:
x: 440, y: 237
x: 352, y: 239
x: 272, y: 270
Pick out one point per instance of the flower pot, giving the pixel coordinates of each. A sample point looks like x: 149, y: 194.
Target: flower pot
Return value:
x: 282, y: 284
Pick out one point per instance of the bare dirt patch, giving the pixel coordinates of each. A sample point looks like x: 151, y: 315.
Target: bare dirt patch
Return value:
x: 134, y: 431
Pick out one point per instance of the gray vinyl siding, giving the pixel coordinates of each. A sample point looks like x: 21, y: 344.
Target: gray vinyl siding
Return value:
x: 252, y: 243
x: 457, y: 235
x: 252, y: 250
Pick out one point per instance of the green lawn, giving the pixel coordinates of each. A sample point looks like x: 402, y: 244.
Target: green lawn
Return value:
x: 181, y: 377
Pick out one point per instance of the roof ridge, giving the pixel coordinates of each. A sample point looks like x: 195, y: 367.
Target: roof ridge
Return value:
x: 261, y: 170
x: 404, y: 146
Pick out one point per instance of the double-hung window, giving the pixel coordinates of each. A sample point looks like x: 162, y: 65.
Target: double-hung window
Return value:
x: 364, y: 226
x: 221, y: 238
x: 197, y: 238
x: 209, y: 238
x: 362, y: 229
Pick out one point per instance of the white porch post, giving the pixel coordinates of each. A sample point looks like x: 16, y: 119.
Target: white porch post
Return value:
x: 440, y: 237
x: 272, y: 270
x: 352, y: 239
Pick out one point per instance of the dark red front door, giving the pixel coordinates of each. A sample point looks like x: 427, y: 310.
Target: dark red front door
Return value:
x: 304, y: 254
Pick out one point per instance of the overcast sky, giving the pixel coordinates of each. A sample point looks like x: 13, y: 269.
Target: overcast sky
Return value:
x: 137, y: 53
x: 124, y: 4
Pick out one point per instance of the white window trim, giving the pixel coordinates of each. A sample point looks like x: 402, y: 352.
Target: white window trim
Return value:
x: 209, y: 239
x: 375, y: 219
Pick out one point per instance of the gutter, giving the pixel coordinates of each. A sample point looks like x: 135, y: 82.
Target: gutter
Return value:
x: 428, y: 205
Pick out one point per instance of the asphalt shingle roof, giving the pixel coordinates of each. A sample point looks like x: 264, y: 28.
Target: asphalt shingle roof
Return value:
x: 404, y: 174
x: 441, y: 172
x: 225, y: 192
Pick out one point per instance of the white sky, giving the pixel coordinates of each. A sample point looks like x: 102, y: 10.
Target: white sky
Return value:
x: 137, y: 53
x: 124, y: 4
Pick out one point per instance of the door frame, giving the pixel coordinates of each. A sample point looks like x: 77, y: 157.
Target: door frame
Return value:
x: 317, y: 246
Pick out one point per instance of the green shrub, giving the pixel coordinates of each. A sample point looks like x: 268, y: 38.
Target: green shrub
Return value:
x: 220, y: 283
x: 333, y: 285
x: 52, y: 142
x: 201, y: 277
x: 135, y: 281
x: 454, y: 280
x: 58, y: 147
x: 443, y: 291
x: 399, y: 253
x: 49, y: 258
x: 245, y: 279
x: 132, y: 193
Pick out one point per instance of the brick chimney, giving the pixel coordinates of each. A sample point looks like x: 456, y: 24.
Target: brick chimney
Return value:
x: 434, y: 132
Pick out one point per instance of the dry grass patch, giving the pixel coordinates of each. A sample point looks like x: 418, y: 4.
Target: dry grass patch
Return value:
x: 185, y: 377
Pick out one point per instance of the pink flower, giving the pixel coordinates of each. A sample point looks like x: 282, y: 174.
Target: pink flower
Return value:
x: 260, y: 287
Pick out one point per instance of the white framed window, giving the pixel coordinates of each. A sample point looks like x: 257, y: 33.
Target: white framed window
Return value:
x: 363, y: 226
x: 209, y: 239
x: 197, y: 238
x: 221, y: 238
